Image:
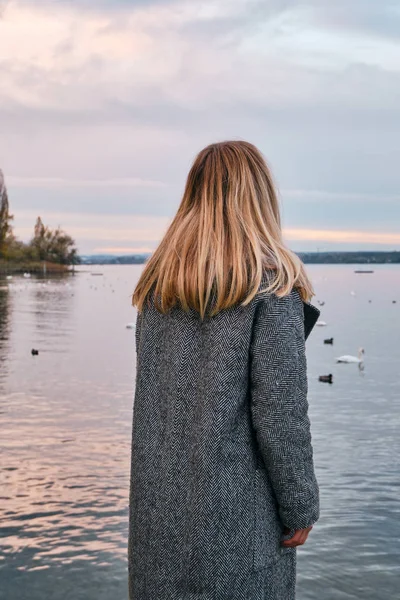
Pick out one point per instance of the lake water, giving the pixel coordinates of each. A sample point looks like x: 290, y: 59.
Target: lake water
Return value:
x: 65, y: 426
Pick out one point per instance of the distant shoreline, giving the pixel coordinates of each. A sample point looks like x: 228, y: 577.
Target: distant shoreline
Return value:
x: 317, y: 258
x: 337, y: 258
x: 36, y: 267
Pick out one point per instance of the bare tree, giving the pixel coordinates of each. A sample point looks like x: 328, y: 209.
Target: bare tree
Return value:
x: 5, y: 217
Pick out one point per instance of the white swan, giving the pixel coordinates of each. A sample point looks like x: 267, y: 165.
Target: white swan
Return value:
x: 348, y: 358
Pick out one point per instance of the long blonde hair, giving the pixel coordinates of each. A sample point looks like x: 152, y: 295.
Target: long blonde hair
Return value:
x: 226, y: 232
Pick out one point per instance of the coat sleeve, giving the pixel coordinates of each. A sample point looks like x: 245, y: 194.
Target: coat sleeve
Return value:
x: 137, y: 331
x: 279, y: 407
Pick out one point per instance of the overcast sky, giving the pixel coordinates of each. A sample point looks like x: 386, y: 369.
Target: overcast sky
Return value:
x: 103, y: 106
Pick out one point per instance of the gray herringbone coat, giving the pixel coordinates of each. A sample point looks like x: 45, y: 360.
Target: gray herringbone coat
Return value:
x: 221, y: 452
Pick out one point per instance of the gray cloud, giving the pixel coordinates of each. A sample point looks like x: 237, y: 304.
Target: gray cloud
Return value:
x: 380, y: 18
x: 109, y: 5
x: 323, y: 123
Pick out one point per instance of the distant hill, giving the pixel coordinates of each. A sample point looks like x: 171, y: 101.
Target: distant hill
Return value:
x: 109, y: 259
x: 356, y: 257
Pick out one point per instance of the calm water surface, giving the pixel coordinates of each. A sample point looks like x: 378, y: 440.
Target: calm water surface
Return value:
x: 65, y: 426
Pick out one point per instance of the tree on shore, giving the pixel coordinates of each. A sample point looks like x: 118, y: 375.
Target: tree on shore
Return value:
x: 41, y: 241
x: 54, y: 246
x: 5, y: 218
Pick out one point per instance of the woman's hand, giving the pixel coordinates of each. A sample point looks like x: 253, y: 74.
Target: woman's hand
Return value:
x: 298, y: 539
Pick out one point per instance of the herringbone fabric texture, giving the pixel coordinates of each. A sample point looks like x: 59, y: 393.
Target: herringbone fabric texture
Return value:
x: 221, y: 452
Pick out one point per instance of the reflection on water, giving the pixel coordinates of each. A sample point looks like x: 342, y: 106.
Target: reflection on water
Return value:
x: 4, y: 329
x: 65, y: 421
x: 65, y: 432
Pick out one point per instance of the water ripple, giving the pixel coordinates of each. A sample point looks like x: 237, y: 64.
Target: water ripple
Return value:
x: 65, y: 420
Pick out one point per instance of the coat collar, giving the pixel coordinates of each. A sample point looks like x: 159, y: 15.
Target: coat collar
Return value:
x: 311, y: 314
